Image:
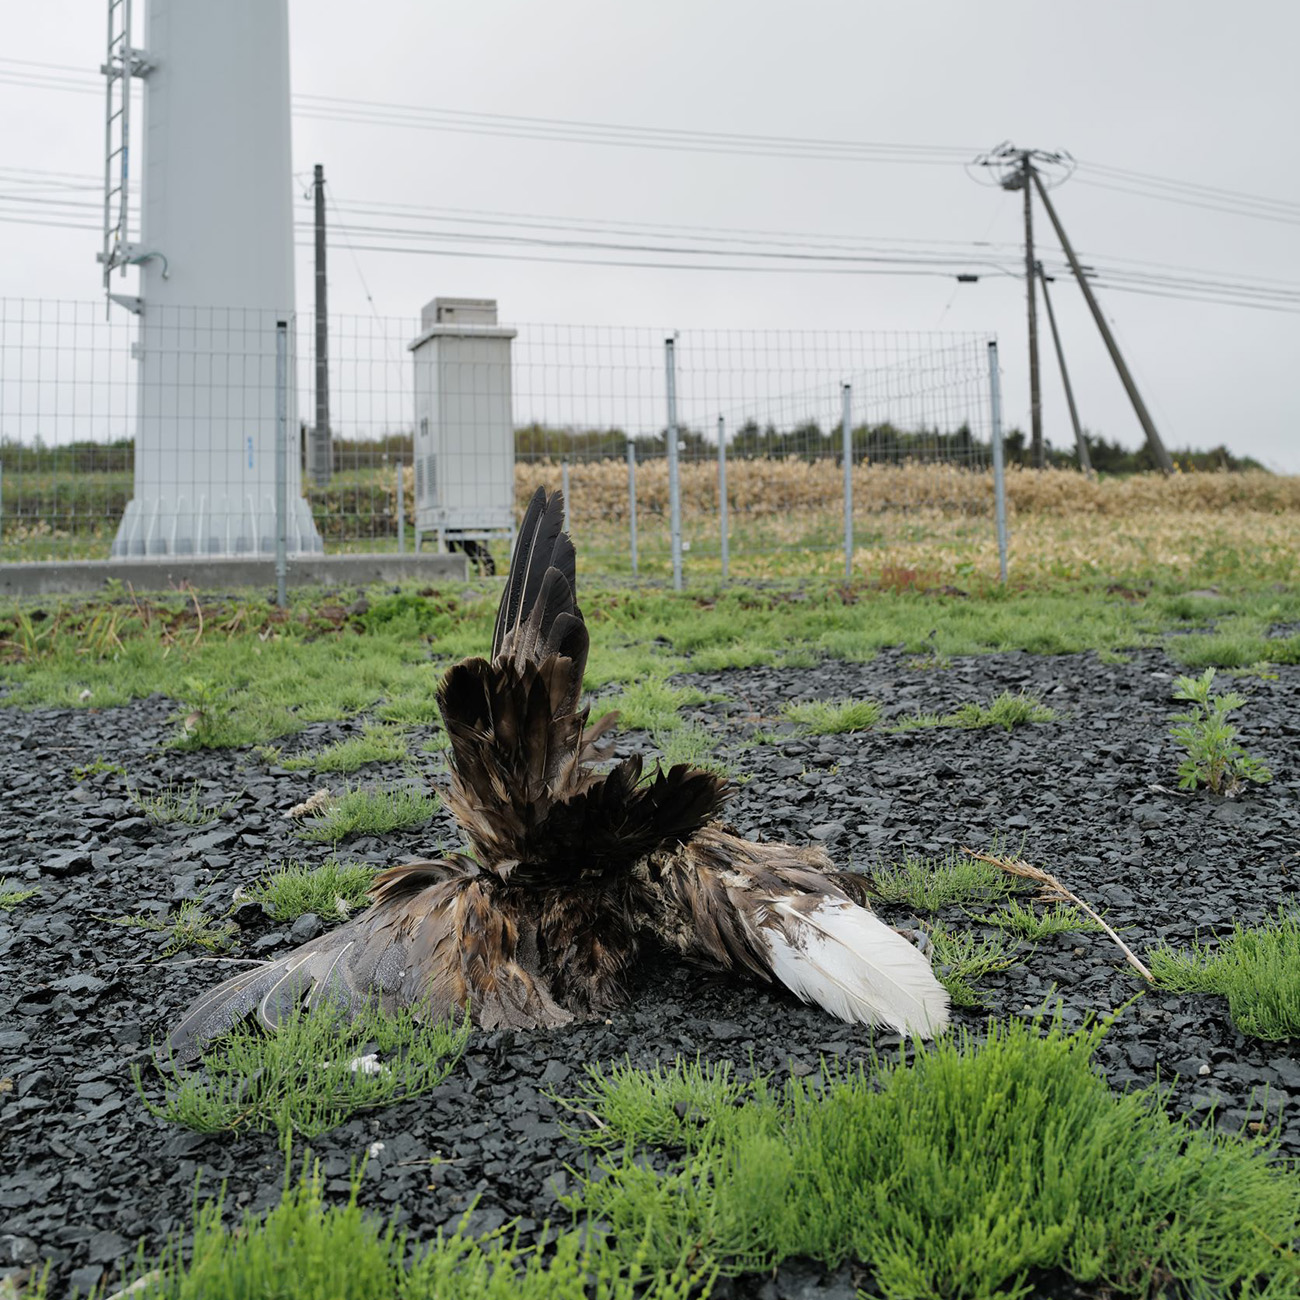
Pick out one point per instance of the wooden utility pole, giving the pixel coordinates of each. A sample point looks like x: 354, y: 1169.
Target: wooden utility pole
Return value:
x: 320, y: 459
x: 1081, y: 447
x: 1035, y: 397
x: 1158, y: 452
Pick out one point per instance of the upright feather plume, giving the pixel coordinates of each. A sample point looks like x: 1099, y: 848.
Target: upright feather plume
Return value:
x: 576, y: 870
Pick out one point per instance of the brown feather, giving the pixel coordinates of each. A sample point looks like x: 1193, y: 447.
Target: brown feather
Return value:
x: 578, y: 869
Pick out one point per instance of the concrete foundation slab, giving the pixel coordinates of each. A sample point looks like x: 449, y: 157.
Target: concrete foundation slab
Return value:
x: 61, y: 578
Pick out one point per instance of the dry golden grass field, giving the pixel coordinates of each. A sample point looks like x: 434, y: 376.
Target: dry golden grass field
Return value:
x: 936, y: 522
x: 924, y: 525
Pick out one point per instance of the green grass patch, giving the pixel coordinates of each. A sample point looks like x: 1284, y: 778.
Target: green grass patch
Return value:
x: 833, y: 717
x: 1257, y: 970
x: 318, y: 1069
x: 370, y: 812
x: 1007, y: 711
x: 1029, y: 923
x: 331, y: 890
x: 652, y: 705
x: 312, y: 1250
x: 245, y: 673
x: 178, y: 804
x: 188, y: 927
x: 961, y: 959
x: 929, y: 883
x: 375, y: 744
x: 693, y: 745
x: 966, y: 1173
x: 100, y: 767
x: 11, y: 898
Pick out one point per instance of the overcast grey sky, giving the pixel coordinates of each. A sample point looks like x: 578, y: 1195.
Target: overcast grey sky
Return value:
x: 1185, y: 89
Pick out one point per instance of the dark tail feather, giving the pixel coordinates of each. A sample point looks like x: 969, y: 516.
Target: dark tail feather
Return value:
x: 540, y: 548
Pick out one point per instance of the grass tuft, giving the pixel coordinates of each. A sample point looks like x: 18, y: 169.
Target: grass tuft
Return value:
x: 309, y: 1076
x: 833, y: 717
x: 371, y: 812
x: 189, y: 927
x: 969, y: 1174
x: 175, y: 804
x: 11, y: 898
x: 101, y: 766
x: 690, y: 744
x: 651, y: 705
x: 376, y: 744
x: 1257, y: 970
x: 927, y: 884
x: 311, y: 1250
x: 960, y: 959
x: 332, y: 890
x: 1007, y: 711
x: 1029, y: 924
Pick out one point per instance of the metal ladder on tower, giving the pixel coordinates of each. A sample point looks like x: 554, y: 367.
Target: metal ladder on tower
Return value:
x: 123, y: 62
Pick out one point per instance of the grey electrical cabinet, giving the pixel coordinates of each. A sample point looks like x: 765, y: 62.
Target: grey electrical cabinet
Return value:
x: 464, y: 421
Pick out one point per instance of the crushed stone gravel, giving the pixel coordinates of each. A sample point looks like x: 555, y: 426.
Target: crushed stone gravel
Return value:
x: 1091, y: 796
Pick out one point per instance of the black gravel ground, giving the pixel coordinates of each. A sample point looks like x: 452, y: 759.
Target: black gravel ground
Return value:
x: 86, y: 1172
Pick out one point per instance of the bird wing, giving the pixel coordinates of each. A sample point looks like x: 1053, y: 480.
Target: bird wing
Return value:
x: 769, y: 911
x: 522, y: 787
x: 434, y: 939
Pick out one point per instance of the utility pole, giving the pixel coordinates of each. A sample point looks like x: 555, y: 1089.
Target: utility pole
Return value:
x: 320, y: 453
x: 1157, y: 448
x: 1035, y: 397
x: 1081, y: 447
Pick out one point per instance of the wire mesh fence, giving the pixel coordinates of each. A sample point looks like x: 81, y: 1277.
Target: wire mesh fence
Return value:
x: 440, y: 429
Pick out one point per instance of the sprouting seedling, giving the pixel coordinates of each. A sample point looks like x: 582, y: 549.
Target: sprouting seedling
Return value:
x: 1214, y: 758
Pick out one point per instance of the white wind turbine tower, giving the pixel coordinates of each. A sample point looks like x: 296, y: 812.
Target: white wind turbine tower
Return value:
x: 215, y: 260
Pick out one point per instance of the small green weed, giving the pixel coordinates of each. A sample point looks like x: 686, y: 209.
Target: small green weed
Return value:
x: 1030, y: 924
x: 175, y: 804
x: 331, y: 890
x: 1007, y: 711
x: 985, y: 1162
x: 832, y: 717
x: 371, y: 812
x: 927, y: 884
x: 1214, y: 758
x: 99, y: 767
x: 11, y: 898
x: 376, y: 744
x: 1257, y: 970
x: 960, y: 959
x: 189, y: 927
x: 309, y: 1076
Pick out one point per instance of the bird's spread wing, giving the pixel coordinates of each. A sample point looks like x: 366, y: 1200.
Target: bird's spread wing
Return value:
x: 522, y: 788
x: 769, y: 911
x: 434, y: 939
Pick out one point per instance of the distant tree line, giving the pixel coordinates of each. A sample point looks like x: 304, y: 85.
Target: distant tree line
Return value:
x: 881, y: 444
x: 1110, y: 458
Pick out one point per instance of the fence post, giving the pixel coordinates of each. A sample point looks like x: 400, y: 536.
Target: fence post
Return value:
x: 564, y: 487
x: 847, y: 432
x: 674, y: 486
x: 722, y: 493
x: 281, y: 453
x: 999, y: 475
x: 401, y: 511
x: 631, y: 501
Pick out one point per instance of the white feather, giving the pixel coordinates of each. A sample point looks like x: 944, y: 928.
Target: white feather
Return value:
x: 851, y: 963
